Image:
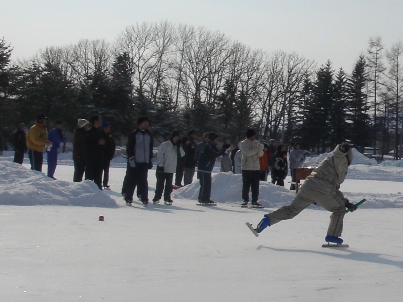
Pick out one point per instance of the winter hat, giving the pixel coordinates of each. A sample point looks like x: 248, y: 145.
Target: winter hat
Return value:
x: 295, y: 144
x: 40, y: 117
x: 212, y: 136
x: 105, y: 124
x: 141, y: 120
x: 344, y: 147
x: 191, y: 132
x: 250, y: 133
x: 206, y: 134
x: 175, y: 133
x: 58, y: 122
x: 20, y: 125
x: 266, y: 146
x: 82, y: 122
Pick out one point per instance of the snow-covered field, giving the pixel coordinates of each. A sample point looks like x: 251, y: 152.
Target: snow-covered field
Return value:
x: 54, y: 248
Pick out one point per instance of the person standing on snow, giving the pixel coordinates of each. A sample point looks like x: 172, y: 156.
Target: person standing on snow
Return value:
x: 205, y: 166
x: 79, y: 149
x: 56, y: 137
x: 94, y: 144
x: 167, y: 160
x: 190, y: 162
x: 109, y: 152
x: 139, y: 153
x: 321, y: 187
x: 37, y: 140
x: 279, y: 171
x: 297, y: 158
x: 251, y: 150
x: 20, y: 144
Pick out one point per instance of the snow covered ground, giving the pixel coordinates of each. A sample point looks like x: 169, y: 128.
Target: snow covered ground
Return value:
x: 54, y: 248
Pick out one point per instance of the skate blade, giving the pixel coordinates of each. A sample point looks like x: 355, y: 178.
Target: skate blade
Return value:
x: 252, y: 229
x: 335, y: 245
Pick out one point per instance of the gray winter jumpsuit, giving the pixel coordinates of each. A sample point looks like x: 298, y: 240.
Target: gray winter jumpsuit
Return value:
x: 322, y: 188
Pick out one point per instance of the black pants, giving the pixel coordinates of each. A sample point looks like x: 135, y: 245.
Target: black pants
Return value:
x: 163, y: 179
x: 79, y: 169
x: 205, y: 185
x: 36, y: 160
x: 19, y: 156
x: 180, y: 168
x: 105, y: 170
x: 250, y: 181
x: 93, y: 171
x: 137, y: 176
x: 188, y: 175
x: 278, y: 180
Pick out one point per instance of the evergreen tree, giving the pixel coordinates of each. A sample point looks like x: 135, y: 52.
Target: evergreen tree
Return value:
x: 337, y: 118
x: 316, y: 126
x: 358, y: 106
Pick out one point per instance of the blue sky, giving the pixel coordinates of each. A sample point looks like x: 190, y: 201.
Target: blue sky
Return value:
x: 320, y: 30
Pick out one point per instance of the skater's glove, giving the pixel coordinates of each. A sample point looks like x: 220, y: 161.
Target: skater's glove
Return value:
x: 350, y: 206
x: 132, y: 162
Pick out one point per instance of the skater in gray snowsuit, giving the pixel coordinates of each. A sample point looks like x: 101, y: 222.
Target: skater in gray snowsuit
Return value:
x: 322, y: 188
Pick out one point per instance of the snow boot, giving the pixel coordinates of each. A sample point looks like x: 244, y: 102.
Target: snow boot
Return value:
x: 244, y: 204
x: 333, y: 239
x: 256, y: 205
x: 264, y: 223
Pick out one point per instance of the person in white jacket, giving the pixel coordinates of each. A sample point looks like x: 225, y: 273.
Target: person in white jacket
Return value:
x: 167, y: 158
x: 251, y: 150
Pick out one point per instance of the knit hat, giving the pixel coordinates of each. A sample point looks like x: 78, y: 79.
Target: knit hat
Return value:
x: 250, y: 133
x: 142, y: 119
x: 105, y: 124
x: 206, y: 134
x: 82, y: 122
x: 295, y: 144
x: 212, y: 136
x: 175, y: 133
x: 191, y: 132
x: 40, y: 117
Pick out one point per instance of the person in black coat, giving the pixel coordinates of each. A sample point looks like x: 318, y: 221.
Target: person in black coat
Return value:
x: 280, y: 168
x: 205, y: 166
x: 109, y: 152
x: 94, y: 144
x: 180, y: 167
x: 20, y: 144
x: 190, y: 147
x: 79, y: 149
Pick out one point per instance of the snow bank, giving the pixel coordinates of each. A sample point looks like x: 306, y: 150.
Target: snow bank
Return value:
x: 227, y: 188
x: 21, y: 186
x: 358, y: 159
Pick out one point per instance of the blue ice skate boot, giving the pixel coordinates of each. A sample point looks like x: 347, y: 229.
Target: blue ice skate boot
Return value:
x: 333, y: 239
x: 264, y: 223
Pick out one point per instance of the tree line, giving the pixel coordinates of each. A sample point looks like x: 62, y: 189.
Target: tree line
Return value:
x: 185, y: 78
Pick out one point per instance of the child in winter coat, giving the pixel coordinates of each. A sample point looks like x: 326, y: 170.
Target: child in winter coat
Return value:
x: 280, y: 169
x: 167, y: 160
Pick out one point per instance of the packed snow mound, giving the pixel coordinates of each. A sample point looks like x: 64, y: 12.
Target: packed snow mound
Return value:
x: 358, y: 159
x: 227, y: 188
x: 24, y: 187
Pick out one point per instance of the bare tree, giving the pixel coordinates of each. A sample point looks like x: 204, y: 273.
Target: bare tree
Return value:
x: 396, y: 79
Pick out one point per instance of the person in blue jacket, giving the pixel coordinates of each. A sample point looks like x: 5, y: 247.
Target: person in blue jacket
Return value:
x: 205, y: 166
x: 56, y: 137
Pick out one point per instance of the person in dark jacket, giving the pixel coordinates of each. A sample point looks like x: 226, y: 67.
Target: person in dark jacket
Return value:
x: 94, y: 144
x: 190, y: 162
x: 272, y: 161
x: 20, y: 144
x: 180, y: 167
x: 205, y: 166
x: 139, y: 153
x: 56, y: 137
x: 79, y: 149
x: 109, y: 152
x: 280, y: 169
